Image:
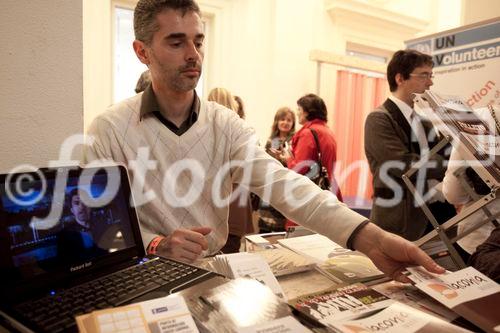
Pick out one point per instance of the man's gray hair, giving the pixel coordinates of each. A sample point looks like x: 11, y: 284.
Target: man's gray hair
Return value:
x: 145, y: 12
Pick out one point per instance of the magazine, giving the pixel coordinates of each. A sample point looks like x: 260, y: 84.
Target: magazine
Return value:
x: 334, y: 261
x: 468, y: 292
x: 342, y: 303
x: 350, y: 267
x: 284, y: 261
x: 315, y: 247
x: 398, y: 318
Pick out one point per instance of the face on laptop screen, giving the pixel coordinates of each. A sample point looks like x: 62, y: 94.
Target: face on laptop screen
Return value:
x: 47, y: 225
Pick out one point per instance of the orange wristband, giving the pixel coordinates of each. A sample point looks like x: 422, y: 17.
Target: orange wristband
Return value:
x: 153, y: 245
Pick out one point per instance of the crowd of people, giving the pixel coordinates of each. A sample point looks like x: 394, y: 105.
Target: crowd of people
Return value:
x: 176, y: 125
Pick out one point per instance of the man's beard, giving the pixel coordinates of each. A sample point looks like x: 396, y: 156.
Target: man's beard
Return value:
x: 179, y: 82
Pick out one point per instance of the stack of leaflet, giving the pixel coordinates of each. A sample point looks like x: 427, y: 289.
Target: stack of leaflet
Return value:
x: 357, y: 308
x: 340, y: 303
x: 398, y: 318
x: 410, y: 295
x: 259, y: 242
x: 166, y: 314
x: 337, y: 263
x: 468, y: 292
x: 245, y: 264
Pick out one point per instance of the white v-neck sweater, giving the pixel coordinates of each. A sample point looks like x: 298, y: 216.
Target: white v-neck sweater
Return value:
x: 217, y: 138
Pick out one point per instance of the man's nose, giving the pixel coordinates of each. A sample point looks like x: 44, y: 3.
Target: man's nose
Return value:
x: 193, y: 53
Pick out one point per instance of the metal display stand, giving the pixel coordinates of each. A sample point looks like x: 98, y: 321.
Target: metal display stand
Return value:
x: 440, y: 230
x: 442, y: 113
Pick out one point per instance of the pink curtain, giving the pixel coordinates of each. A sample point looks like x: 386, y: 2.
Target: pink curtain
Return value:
x: 356, y: 95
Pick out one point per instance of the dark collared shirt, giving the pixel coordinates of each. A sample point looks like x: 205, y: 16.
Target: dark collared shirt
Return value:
x: 150, y: 105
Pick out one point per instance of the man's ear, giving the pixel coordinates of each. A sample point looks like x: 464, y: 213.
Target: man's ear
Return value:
x: 140, y: 51
x: 399, y: 79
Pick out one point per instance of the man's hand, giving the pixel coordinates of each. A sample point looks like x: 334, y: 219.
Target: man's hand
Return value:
x: 392, y: 253
x: 184, y: 244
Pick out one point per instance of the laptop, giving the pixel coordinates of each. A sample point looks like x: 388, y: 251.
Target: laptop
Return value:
x: 71, y: 244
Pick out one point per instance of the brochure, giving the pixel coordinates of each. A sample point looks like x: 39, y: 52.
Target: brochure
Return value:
x: 468, y: 292
x: 398, y: 318
x: 162, y: 315
x: 251, y: 265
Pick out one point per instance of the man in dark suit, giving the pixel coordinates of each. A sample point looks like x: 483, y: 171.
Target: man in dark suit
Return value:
x: 395, y: 138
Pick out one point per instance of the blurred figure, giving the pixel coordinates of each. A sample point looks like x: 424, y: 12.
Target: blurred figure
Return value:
x: 241, y: 107
x: 143, y: 82
x: 223, y: 97
x: 312, y: 115
x: 240, y: 216
x: 282, y: 131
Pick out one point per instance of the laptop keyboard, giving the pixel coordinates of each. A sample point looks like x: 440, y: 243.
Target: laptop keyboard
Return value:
x: 56, y: 312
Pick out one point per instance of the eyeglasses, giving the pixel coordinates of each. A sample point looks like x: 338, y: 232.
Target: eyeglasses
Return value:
x: 424, y: 75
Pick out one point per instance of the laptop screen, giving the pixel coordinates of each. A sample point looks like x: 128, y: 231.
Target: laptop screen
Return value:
x: 55, y: 223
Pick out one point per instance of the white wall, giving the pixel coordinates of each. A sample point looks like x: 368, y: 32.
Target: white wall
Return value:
x: 97, y: 69
x: 480, y: 10
x: 41, y: 95
x: 259, y: 49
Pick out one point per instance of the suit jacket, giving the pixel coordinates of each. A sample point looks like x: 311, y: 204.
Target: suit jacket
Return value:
x: 388, y: 138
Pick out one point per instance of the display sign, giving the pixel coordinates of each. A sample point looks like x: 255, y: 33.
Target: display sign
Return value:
x: 466, y: 62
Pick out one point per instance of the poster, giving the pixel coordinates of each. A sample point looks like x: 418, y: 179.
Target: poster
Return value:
x: 466, y: 62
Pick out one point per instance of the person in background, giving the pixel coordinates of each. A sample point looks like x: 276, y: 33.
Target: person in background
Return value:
x: 241, y: 107
x: 143, y: 81
x: 312, y: 115
x: 169, y: 39
x: 223, y: 97
x: 240, y: 215
x: 396, y: 137
x: 282, y: 130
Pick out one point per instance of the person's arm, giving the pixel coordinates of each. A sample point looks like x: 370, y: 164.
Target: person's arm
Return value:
x: 301, y: 200
x: 392, y: 253
x: 183, y: 244
x: 383, y: 144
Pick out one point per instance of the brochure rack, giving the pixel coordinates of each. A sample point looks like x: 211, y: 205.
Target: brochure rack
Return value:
x: 476, y: 143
